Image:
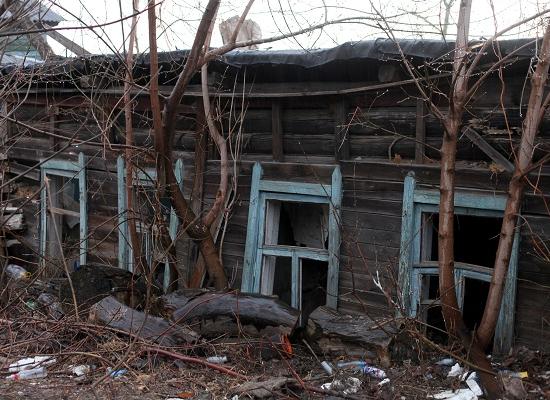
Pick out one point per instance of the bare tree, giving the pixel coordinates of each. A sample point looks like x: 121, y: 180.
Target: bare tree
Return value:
x: 536, y: 108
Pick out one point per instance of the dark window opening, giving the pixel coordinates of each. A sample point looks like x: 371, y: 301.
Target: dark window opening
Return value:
x: 314, y: 286
x: 435, y: 324
x: 282, y: 280
x: 63, y: 223
x: 475, y: 298
x: 300, y: 224
x: 475, y: 239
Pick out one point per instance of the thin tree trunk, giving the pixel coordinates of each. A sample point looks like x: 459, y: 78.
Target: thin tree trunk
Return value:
x: 218, y: 139
x: 531, y: 123
x: 139, y: 261
x: 449, y: 303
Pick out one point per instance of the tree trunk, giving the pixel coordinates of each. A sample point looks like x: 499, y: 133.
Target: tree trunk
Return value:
x: 449, y: 303
x: 531, y: 123
x: 164, y: 127
x: 139, y: 261
x: 452, y: 315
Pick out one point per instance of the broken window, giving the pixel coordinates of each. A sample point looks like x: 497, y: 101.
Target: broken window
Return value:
x: 63, y: 215
x: 477, y: 222
x: 293, y: 241
x: 149, y: 211
x: 293, y: 224
x: 475, y: 245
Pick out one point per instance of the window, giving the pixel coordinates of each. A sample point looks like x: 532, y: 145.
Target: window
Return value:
x: 293, y: 241
x: 478, y: 218
x: 145, y: 203
x: 63, y: 214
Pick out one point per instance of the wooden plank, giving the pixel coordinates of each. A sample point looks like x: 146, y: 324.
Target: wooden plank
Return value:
x: 123, y: 234
x: 61, y: 211
x: 67, y: 43
x: 489, y: 150
x: 312, y: 189
x: 252, y: 231
x: 420, y: 131
x: 273, y: 214
x: 334, y: 238
x: 341, y: 136
x: 290, y: 251
x: 407, y: 234
x: 504, y: 333
x: 83, y: 197
x: 276, y: 131
x: 296, y: 282
x: 462, y: 199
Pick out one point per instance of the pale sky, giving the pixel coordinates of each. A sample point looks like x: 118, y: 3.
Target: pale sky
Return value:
x: 180, y: 18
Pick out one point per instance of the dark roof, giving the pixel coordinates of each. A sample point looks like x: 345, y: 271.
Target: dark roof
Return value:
x: 349, y: 62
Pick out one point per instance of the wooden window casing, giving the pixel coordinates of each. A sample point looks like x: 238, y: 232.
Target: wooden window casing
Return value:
x: 262, y: 191
x: 413, y: 267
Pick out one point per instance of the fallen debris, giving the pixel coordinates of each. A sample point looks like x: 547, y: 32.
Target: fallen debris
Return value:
x: 114, y: 314
x: 460, y: 394
x: 261, y: 389
x: 217, y: 359
x: 349, y: 385
x: 363, y: 367
x: 356, y: 336
x: 456, y: 370
x: 17, y: 272
x: 235, y: 307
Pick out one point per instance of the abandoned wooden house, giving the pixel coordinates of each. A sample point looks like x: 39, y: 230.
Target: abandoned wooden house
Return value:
x: 335, y: 176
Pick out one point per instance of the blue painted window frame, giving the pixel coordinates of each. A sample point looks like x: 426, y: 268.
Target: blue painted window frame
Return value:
x: 146, y: 178
x: 264, y: 190
x: 416, y: 202
x: 72, y: 170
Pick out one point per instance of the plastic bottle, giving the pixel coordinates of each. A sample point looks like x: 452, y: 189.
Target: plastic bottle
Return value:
x: 364, y: 368
x: 217, y: 359
x: 30, y: 363
x: 34, y: 373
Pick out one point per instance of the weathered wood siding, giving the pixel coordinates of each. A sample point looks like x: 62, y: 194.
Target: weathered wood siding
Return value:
x: 380, y: 128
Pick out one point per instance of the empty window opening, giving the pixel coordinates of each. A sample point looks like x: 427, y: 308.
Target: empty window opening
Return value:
x: 475, y: 239
x: 300, y: 225
x: 314, y: 286
x: 63, y: 224
x: 475, y: 297
x: 297, y: 224
x: 435, y: 324
x: 282, y: 281
x: 430, y: 308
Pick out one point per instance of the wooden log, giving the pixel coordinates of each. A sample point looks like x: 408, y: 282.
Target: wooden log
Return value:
x: 261, y: 311
x: 114, y: 314
x: 358, y: 336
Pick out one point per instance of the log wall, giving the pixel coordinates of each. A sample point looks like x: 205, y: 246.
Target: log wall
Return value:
x: 372, y: 136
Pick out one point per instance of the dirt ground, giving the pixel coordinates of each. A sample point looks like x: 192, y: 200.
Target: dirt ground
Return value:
x: 164, y: 378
